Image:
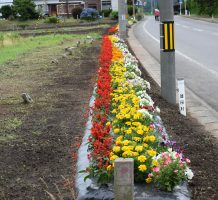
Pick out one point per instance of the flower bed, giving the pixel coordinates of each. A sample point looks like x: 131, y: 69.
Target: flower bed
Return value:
x: 126, y: 124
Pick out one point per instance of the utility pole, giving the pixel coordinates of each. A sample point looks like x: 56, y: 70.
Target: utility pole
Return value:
x: 122, y: 11
x: 133, y: 7
x: 180, y: 7
x: 167, y: 51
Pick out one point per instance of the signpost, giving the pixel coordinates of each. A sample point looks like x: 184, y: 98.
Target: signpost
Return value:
x: 167, y: 51
x: 181, y: 90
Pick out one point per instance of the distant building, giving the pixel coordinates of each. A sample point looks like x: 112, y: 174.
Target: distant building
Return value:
x: 59, y: 7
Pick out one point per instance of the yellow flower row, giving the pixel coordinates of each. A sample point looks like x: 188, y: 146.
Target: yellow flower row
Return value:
x: 134, y: 137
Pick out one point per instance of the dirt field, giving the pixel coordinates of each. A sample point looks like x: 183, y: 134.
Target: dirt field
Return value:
x: 38, y: 140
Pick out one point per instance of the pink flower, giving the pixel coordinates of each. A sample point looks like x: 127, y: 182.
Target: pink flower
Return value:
x: 150, y: 175
x: 156, y: 169
x: 187, y: 160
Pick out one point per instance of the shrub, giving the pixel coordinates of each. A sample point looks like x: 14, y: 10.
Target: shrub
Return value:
x: 25, y: 9
x: 114, y: 15
x: 89, y: 14
x: 106, y: 13
x: 130, y: 10
x: 76, y: 12
x: 139, y: 16
x: 52, y: 19
x: 6, y: 11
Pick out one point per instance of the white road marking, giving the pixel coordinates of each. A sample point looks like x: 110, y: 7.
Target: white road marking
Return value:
x: 216, y: 34
x: 199, y: 30
x: 182, y: 54
x: 185, y: 26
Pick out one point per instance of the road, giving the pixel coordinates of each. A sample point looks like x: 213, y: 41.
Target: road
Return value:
x: 196, y: 54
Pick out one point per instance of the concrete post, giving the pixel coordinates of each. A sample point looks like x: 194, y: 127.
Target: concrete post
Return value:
x: 167, y: 51
x: 124, y: 179
x: 122, y: 11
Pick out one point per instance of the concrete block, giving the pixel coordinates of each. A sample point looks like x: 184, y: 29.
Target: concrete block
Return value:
x: 124, y: 179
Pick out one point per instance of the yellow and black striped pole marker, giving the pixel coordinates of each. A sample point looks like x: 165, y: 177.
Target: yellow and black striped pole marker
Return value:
x: 167, y: 51
x: 168, y: 36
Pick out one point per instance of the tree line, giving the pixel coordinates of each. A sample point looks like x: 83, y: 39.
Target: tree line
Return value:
x: 20, y: 9
x: 201, y: 7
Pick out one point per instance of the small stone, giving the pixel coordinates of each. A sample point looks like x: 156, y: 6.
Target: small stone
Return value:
x: 26, y: 98
x: 55, y: 61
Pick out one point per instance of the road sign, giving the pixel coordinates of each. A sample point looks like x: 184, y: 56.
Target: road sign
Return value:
x: 181, y: 90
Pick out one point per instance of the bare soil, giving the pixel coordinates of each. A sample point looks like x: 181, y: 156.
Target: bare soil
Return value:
x: 39, y: 141
x: 37, y: 159
x: 197, y: 144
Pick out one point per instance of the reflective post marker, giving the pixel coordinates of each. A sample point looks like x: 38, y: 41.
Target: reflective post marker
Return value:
x: 167, y: 51
x: 181, y: 91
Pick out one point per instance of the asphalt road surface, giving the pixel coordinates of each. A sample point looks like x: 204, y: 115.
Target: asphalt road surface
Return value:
x: 196, y: 54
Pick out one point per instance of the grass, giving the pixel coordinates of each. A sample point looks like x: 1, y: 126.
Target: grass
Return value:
x: 26, y: 66
x: 14, y: 23
x: 23, y: 45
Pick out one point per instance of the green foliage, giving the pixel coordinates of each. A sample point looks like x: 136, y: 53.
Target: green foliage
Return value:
x: 130, y: 10
x: 52, y: 19
x: 76, y: 12
x: 139, y: 16
x: 106, y: 13
x: 1, y: 39
x: 114, y: 15
x: 206, y: 7
x: 6, y: 11
x: 25, y: 9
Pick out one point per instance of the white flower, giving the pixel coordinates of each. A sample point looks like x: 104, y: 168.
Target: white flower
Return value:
x: 189, y: 173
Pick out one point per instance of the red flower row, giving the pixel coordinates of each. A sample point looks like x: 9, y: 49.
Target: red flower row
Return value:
x: 100, y: 140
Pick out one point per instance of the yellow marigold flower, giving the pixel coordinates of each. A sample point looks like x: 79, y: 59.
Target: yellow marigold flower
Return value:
x: 146, y: 129
x: 139, y: 148
x: 155, y: 163
x: 128, y: 123
x: 116, y: 149
x: 148, y: 180
x: 109, y: 167
x: 151, y: 152
x: 135, y: 153
x: 146, y: 138
x: 111, y: 154
x: 142, y: 158
x: 126, y: 142
x: 127, y: 116
x: 135, y: 123
x: 108, y: 123
x: 125, y: 148
x: 119, y: 138
x: 145, y: 145
x: 118, y: 142
x: 116, y: 130
x: 137, y: 139
x: 128, y: 131
x: 113, y: 157
x: 140, y: 132
x: 142, y: 168
x: 114, y: 110
x: 152, y: 138
x: 130, y: 148
x: 127, y: 153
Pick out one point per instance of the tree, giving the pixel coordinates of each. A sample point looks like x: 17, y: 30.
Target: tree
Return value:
x: 25, y: 9
x: 6, y: 11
